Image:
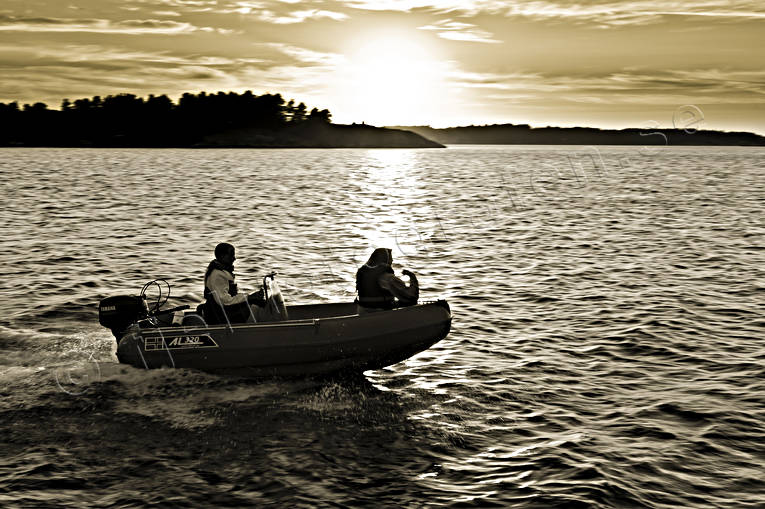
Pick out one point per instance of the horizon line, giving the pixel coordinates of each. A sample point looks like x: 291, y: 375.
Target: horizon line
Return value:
x: 757, y: 132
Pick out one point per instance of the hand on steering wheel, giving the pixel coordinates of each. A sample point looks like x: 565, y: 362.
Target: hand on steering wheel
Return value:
x: 257, y: 298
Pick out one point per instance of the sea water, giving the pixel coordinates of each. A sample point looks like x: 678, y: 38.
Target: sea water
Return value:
x: 607, y: 348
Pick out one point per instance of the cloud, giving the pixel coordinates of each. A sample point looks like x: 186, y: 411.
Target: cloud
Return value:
x: 273, y: 11
x: 627, y: 86
x: 132, y: 26
x: 76, y: 71
x: 300, y: 16
x: 93, y: 54
x: 307, y: 56
x: 603, y: 13
x: 634, y: 11
x: 185, y: 5
x: 410, y: 5
x: 458, y: 31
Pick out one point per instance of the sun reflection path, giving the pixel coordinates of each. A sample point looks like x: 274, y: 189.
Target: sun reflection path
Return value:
x: 392, y: 197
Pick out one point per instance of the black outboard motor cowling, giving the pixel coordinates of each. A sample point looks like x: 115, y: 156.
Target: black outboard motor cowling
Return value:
x: 117, y: 313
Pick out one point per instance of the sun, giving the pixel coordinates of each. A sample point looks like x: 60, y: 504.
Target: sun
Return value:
x: 393, y: 81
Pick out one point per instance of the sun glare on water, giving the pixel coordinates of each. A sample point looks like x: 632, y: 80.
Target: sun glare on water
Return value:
x: 393, y: 81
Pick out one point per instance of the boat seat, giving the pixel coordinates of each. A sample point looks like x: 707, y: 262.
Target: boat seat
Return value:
x: 193, y: 320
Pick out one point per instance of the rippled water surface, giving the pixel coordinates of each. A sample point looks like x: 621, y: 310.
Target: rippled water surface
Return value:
x: 607, y: 348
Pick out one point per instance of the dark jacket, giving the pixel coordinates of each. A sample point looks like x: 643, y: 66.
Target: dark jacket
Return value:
x: 371, y: 294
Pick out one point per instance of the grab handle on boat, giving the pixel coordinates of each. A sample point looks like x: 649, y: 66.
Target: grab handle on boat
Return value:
x: 171, y: 310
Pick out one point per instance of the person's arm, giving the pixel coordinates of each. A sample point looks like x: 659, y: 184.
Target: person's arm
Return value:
x: 217, y: 282
x: 399, y: 289
x: 258, y: 298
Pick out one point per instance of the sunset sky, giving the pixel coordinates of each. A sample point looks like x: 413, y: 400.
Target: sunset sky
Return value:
x: 602, y: 63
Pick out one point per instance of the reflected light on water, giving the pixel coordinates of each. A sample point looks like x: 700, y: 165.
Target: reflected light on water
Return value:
x: 393, y: 159
x: 389, y: 187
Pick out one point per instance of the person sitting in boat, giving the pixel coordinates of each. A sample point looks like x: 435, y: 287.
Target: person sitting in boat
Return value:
x: 379, y: 288
x: 223, y: 302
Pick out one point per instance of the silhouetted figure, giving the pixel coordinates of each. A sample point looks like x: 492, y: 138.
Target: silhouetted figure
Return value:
x: 222, y: 297
x: 378, y: 287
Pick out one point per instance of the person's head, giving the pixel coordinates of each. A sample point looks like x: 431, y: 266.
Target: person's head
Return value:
x: 225, y: 253
x: 380, y: 256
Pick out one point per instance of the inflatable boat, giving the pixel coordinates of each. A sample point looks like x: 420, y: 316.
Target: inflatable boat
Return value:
x: 303, y: 339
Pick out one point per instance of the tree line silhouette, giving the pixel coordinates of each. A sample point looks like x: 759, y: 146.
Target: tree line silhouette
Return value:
x: 156, y: 121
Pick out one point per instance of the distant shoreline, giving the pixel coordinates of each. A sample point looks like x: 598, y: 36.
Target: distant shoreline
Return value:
x: 201, y: 120
x: 293, y: 147
x: 308, y: 135
x: 231, y: 120
x: 523, y: 134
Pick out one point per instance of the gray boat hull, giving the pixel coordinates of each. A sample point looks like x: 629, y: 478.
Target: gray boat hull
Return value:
x: 318, y: 339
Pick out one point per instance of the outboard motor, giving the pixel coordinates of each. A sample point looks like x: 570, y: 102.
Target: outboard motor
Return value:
x: 117, y: 313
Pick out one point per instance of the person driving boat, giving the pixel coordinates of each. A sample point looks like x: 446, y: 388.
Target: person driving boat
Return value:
x: 223, y: 302
x: 378, y: 287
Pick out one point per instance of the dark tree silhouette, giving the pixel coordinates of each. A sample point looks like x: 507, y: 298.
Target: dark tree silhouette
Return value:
x: 298, y: 114
x: 128, y: 120
x: 319, y: 115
